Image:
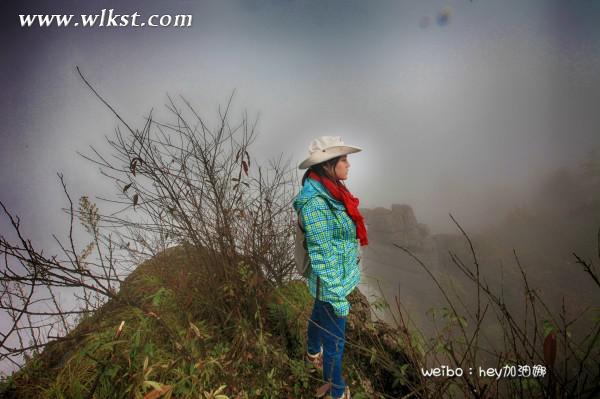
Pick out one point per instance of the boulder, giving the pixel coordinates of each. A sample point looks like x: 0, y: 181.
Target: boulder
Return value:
x: 396, y: 225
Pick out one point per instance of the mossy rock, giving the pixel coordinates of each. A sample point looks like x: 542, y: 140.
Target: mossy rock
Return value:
x: 191, y: 353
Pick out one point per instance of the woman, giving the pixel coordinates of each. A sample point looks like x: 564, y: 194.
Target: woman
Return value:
x: 333, y: 228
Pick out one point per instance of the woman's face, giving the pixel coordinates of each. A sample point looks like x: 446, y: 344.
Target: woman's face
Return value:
x: 341, y: 168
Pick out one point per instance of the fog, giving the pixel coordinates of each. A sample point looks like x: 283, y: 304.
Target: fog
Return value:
x: 462, y: 107
x: 460, y: 117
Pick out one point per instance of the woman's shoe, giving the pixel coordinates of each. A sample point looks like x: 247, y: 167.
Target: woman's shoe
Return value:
x: 321, y: 392
x: 346, y: 394
x: 316, y: 360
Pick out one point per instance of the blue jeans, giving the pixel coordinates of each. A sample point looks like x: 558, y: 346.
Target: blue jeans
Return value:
x: 327, y: 329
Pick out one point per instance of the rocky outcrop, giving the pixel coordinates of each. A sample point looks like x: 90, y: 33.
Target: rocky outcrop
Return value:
x: 396, y: 225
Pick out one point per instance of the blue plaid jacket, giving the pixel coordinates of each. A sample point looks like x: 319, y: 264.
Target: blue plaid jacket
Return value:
x: 332, y: 245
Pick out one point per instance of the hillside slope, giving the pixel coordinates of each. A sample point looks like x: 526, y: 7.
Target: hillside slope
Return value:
x: 177, y: 341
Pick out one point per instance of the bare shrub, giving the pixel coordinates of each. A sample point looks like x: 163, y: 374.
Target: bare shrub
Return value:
x: 539, y: 357
x: 178, y: 182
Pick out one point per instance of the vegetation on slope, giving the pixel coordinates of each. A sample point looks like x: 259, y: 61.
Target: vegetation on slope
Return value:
x: 177, y: 341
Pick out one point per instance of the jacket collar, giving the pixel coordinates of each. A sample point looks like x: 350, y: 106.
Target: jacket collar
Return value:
x: 313, y: 188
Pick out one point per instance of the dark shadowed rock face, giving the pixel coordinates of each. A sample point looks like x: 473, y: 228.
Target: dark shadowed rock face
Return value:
x: 396, y: 225
x: 365, y: 335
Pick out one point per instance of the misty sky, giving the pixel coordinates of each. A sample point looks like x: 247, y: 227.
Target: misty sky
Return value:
x: 462, y: 117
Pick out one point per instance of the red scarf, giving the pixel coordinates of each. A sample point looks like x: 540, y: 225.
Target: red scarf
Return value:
x: 342, y: 194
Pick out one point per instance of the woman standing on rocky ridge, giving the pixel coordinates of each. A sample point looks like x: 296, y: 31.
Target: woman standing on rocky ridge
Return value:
x: 333, y: 228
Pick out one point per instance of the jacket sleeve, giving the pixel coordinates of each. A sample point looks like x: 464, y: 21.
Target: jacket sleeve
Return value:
x: 319, y: 221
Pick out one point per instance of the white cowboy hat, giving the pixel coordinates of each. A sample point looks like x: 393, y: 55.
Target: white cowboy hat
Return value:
x: 325, y: 148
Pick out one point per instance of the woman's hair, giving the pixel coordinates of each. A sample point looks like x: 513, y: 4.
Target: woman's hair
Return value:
x: 325, y: 169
